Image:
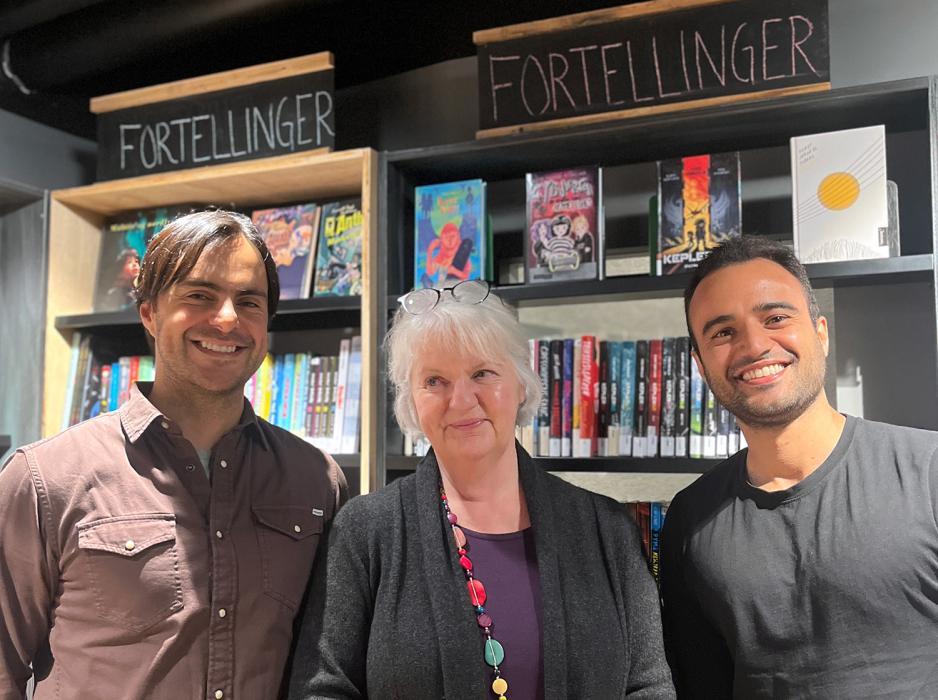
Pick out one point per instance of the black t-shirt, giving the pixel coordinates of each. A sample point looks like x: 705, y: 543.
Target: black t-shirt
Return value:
x: 828, y: 589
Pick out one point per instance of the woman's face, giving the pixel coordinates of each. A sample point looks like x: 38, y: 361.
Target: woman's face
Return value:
x: 466, y: 405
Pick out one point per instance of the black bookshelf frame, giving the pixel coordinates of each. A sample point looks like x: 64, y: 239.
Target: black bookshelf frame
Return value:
x: 902, y: 106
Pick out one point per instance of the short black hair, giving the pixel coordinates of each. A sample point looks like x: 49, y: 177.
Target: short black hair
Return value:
x: 174, y: 251
x: 745, y: 249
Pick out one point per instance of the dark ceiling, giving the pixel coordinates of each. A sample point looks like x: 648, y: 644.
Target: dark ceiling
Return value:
x: 65, y: 51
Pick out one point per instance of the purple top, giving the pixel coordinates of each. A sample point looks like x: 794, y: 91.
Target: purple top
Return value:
x: 506, y: 564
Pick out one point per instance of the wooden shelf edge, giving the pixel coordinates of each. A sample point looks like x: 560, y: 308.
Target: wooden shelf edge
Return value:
x: 621, y: 465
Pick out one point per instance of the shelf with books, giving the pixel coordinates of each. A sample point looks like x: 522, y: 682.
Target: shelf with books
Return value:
x: 626, y: 151
x: 77, y: 217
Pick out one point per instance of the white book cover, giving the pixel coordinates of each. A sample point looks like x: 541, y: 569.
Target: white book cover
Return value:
x: 839, y: 202
x: 353, y: 389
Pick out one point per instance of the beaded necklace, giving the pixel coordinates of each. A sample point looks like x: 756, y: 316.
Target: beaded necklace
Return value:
x: 494, y: 652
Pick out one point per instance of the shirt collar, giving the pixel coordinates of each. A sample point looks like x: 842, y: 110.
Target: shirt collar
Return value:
x: 137, y: 413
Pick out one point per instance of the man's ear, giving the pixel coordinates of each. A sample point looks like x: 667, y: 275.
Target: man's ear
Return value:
x: 146, y: 317
x: 823, y: 334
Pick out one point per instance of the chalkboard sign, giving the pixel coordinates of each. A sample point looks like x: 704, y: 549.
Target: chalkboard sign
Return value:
x: 644, y: 58
x: 196, y: 128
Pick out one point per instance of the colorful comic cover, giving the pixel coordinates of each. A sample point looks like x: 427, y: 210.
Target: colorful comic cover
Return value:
x: 290, y: 235
x: 450, y: 234
x: 698, y: 208
x: 563, y: 236
x: 339, y: 258
x: 124, y: 240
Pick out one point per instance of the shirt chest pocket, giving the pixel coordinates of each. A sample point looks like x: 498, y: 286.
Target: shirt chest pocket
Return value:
x: 133, y: 568
x: 288, y: 537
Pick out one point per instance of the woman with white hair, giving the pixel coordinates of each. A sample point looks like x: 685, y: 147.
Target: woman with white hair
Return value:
x: 481, y: 575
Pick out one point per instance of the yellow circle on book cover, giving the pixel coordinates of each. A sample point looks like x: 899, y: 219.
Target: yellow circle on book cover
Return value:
x: 838, y: 191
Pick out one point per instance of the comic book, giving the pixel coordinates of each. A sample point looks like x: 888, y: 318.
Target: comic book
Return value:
x: 698, y: 208
x: 563, y: 236
x: 451, y: 242
x: 124, y: 241
x: 290, y: 235
x: 339, y: 252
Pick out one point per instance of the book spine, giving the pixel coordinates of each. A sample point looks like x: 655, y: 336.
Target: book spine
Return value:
x: 733, y: 446
x: 123, y: 391
x: 105, y: 391
x: 723, y: 430
x: 300, y: 381
x: 345, y: 350
x: 697, y: 393
x: 576, y: 402
x: 312, y: 397
x: 626, y: 398
x: 653, y: 403
x: 556, y: 396
x: 657, y: 521
x: 566, y: 449
x: 286, y: 394
x: 275, y: 390
x: 602, y: 446
x: 352, y: 398
x: 615, y: 371
x: 70, y: 383
x: 682, y: 396
x: 543, y: 409
x: 710, y: 424
x: 83, y: 380
x: 668, y: 404
x: 640, y: 425
x: 587, y: 394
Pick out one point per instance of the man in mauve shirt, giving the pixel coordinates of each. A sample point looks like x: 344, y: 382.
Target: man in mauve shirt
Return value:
x: 162, y: 550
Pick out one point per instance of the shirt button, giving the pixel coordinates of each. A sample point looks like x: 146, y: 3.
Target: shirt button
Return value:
x: 297, y: 528
x: 218, y: 534
x: 130, y: 545
x: 224, y: 464
x: 222, y: 612
x: 219, y: 694
x: 190, y: 467
x: 165, y: 425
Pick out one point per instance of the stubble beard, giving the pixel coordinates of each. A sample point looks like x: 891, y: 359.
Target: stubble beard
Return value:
x: 751, y: 412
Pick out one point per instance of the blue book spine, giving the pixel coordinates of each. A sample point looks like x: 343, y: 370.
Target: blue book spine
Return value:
x: 626, y: 396
x: 566, y: 442
x: 114, y: 397
x: 657, y: 520
x: 275, y: 390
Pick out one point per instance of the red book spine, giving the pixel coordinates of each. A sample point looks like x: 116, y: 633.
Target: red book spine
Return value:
x: 587, y: 395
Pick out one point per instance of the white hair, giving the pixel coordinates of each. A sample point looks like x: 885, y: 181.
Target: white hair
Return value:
x: 489, y: 330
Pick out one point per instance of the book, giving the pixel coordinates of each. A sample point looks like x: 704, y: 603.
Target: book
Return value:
x: 697, y: 391
x: 839, y: 195
x: 124, y: 241
x: 563, y: 236
x: 589, y: 371
x: 668, y: 398
x: 698, y: 208
x: 626, y: 397
x: 711, y: 426
x: 339, y: 250
x: 68, y: 411
x: 556, y: 398
x: 341, y: 395
x: 602, y: 435
x: 290, y: 236
x: 352, y: 399
x: 653, y: 402
x: 615, y: 375
x: 640, y: 422
x: 682, y: 399
x: 566, y: 447
x: 450, y: 233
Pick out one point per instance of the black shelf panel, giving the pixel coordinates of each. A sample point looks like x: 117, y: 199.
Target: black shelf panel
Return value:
x: 901, y: 105
x: 292, y: 314
x: 347, y: 461
x: 622, y: 465
x: 5, y: 442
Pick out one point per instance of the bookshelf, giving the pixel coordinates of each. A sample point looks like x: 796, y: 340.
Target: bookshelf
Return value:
x: 892, y: 340
x: 76, y: 218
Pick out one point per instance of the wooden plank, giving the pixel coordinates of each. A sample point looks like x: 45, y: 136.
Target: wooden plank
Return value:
x: 297, y: 176
x: 648, y: 111
x: 213, y: 82
x: 369, y: 418
x: 586, y: 19
x: 74, y: 244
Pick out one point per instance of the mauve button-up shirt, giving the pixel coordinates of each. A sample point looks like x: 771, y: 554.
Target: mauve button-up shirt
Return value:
x: 125, y: 573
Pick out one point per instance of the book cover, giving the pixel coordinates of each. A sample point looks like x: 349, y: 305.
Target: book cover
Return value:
x: 698, y: 208
x: 563, y: 233
x: 839, y: 201
x: 450, y: 233
x: 124, y: 240
x: 339, y: 250
x: 290, y: 236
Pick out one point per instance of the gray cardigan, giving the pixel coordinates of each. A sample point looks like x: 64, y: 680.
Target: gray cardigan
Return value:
x: 397, y: 621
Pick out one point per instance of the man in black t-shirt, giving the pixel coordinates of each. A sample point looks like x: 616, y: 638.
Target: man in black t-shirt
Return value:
x: 807, y: 565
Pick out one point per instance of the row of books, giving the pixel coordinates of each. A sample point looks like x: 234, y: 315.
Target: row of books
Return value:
x: 317, y: 249
x: 649, y: 516
x: 840, y: 207
x: 315, y: 397
x: 642, y: 398
x: 94, y: 387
